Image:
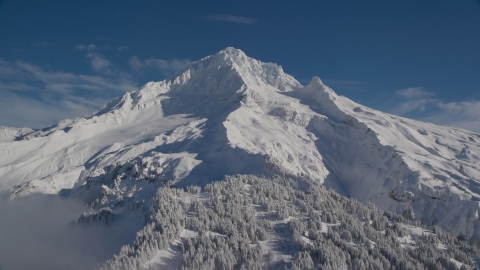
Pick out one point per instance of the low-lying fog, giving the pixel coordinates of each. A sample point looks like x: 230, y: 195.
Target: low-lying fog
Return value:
x: 36, y: 233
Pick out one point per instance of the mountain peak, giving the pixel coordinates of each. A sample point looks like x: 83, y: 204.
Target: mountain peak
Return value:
x: 318, y: 91
x: 233, y: 52
x: 316, y: 82
x: 229, y: 114
x: 228, y: 70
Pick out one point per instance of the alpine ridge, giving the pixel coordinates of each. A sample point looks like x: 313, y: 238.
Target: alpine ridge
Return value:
x: 229, y: 114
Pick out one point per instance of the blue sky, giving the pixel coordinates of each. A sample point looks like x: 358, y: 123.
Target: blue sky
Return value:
x: 64, y: 59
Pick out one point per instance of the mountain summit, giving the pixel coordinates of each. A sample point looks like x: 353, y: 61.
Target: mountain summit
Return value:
x: 230, y: 114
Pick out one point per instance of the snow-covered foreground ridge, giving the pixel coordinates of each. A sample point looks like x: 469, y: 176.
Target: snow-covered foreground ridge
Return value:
x: 228, y: 114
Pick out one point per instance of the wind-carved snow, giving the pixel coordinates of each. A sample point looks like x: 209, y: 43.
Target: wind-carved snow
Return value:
x: 228, y: 114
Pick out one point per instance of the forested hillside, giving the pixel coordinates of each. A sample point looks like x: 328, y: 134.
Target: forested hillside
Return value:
x: 247, y: 222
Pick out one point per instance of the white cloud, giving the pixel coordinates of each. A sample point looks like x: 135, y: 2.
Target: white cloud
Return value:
x: 414, y: 92
x: 419, y: 103
x: 411, y: 100
x: 411, y: 105
x: 89, y: 47
x: 232, y: 19
x: 35, y: 97
x: 464, y: 114
x: 471, y: 108
x: 47, y: 78
x: 9, y: 70
x: 16, y: 86
x: 165, y: 66
x: 18, y: 110
x: 100, y: 64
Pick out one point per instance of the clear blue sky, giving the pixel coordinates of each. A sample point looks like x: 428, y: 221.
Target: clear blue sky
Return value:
x: 63, y: 59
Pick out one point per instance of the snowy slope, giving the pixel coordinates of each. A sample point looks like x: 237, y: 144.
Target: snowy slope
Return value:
x: 228, y: 114
x: 9, y: 133
x: 395, y: 162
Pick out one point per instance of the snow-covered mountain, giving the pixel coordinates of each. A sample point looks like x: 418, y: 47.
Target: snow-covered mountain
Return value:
x: 230, y: 114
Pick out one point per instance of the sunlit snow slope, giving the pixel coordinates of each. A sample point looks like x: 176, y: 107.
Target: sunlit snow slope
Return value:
x: 229, y: 114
